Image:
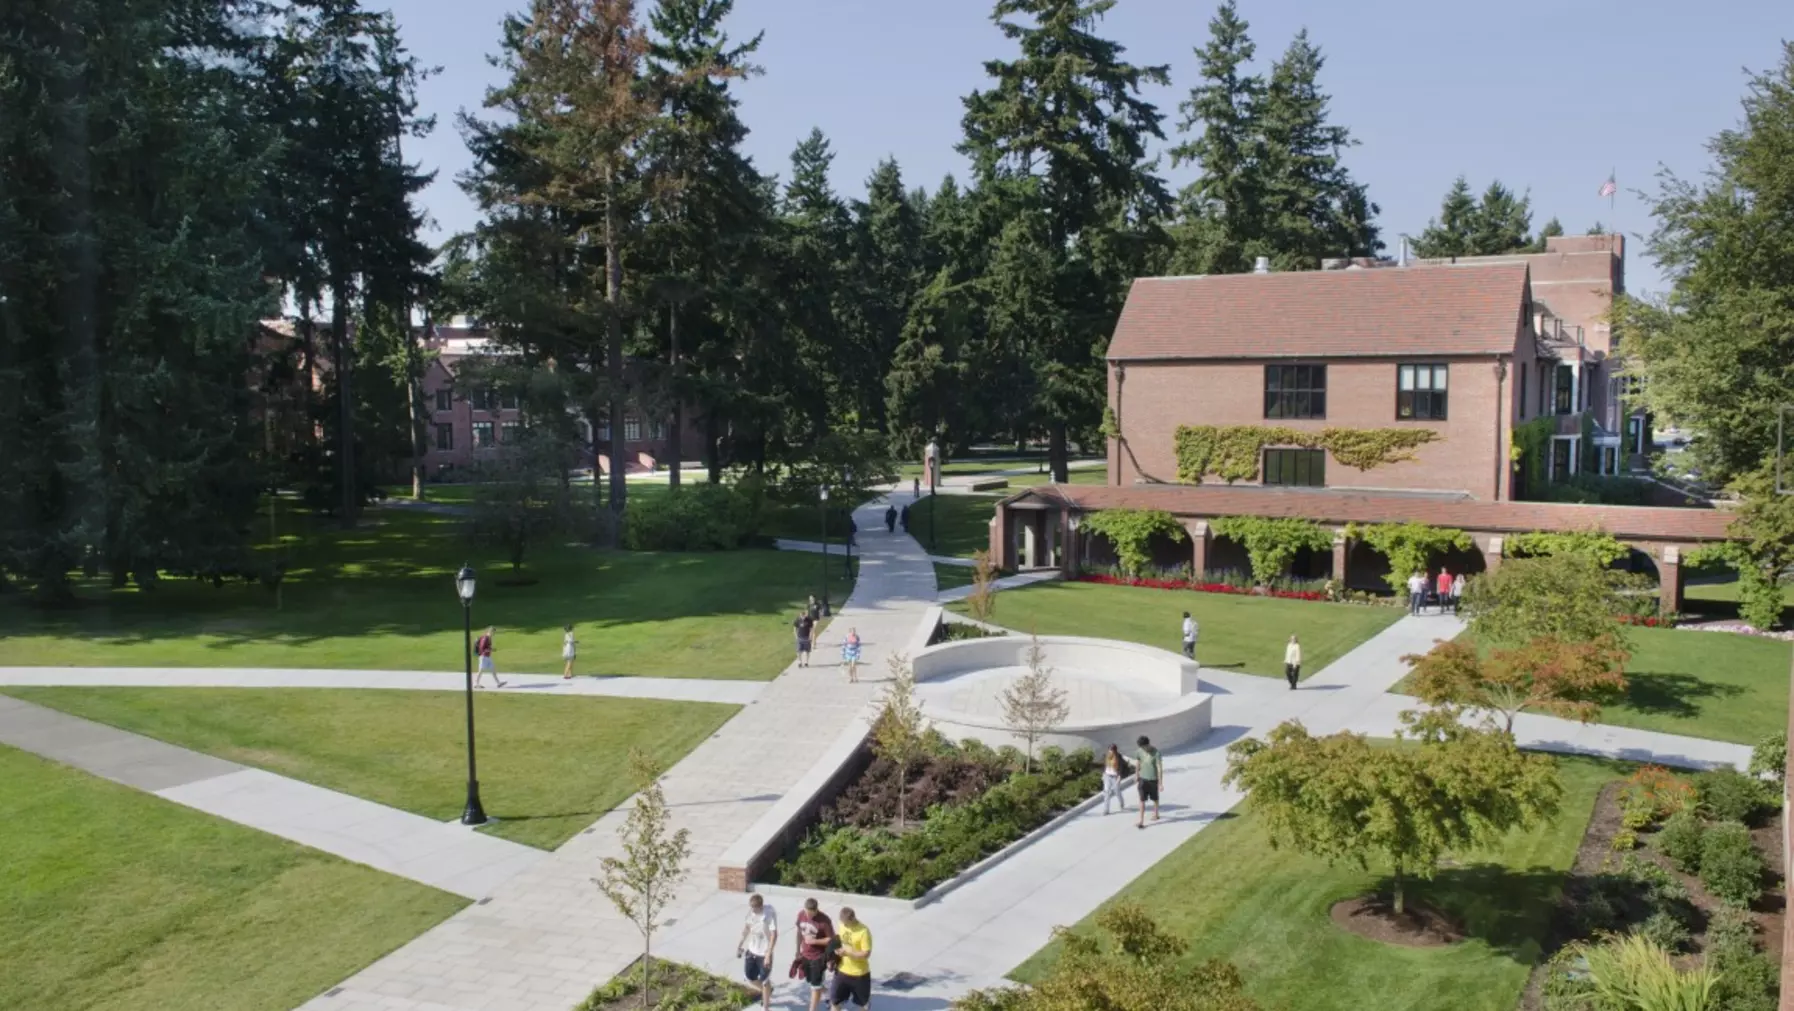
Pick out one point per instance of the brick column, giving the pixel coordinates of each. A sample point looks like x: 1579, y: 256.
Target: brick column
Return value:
x: 1341, y: 550
x: 1073, y: 542
x: 1198, y: 530
x: 996, y: 543
x: 1492, y: 554
x: 1669, y: 580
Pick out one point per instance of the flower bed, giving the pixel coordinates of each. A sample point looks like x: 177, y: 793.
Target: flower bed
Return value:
x: 972, y: 801
x: 1201, y: 587
x: 1649, y: 620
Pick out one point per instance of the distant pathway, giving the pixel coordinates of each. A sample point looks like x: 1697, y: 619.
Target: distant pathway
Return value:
x: 449, y: 857
x: 738, y: 693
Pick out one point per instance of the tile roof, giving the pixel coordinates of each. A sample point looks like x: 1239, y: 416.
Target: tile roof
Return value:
x: 1468, y: 309
x: 1639, y: 522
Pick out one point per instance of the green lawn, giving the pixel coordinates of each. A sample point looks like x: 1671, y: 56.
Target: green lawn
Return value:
x: 1724, y: 589
x: 1084, y: 475
x: 548, y: 767
x: 1717, y: 685
x: 946, y: 577
x: 1239, y: 633
x: 963, y: 523
x: 382, y: 597
x: 1232, y: 896
x: 120, y: 901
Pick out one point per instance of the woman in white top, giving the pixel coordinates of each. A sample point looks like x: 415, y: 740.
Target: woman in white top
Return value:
x: 569, y: 649
x: 1292, y: 662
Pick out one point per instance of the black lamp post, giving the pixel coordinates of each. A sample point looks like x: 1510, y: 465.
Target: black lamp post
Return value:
x: 823, y: 508
x: 472, y: 814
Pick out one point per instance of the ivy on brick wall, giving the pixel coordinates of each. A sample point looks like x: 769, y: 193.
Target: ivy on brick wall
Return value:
x: 1131, y: 532
x: 1596, y: 544
x: 1532, y: 443
x: 1408, y: 546
x: 1111, y: 427
x: 1272, y: 542
x: 1232, y: 452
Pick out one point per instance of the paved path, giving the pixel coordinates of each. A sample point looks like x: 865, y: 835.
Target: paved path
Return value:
x: 738, y: 693
x: 988, y: 926
x: 449, y: 857
x: 1006, y: 583
x: 547, y: 937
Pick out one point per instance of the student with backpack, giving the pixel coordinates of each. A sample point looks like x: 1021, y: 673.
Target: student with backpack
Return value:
x: 482, y: 648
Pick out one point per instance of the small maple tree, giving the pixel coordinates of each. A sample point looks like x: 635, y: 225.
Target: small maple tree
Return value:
x: 1547, y: 674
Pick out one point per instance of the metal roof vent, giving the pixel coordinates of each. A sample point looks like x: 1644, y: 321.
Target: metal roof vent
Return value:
x: 1262, y: 265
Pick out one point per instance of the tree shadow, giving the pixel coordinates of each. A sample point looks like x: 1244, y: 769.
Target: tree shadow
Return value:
x: 1509, y: 909
x: 1671, y: 694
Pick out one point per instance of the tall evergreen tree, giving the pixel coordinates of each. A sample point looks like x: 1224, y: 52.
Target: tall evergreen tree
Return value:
x: 1497, y: 223
x: 818, y: 238
x: 1449, y: 233
x: 1313, y: 209
x: 1060, y: 139
x: 132, y: 175
x: 1220, y: 213
x: 886, y: 270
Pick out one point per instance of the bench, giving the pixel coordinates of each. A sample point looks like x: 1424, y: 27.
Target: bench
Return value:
x: 989, y: 483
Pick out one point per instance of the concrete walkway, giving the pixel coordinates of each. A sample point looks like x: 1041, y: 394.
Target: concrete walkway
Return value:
x: 449, y: 857
x: 982, y: 930
x: 547, y: 937
x: 738, y: 693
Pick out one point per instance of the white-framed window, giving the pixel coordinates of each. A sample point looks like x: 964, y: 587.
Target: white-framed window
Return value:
x: 1420, y: 392
x: 482, y: 435
x: 632, y: 428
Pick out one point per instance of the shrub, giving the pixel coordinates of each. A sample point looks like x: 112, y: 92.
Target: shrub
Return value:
x: 1770, y: 756
x: 1680, y: 841
x: 1731, y: 868
x: 1652, y: 794
x: 1665, y: 931
x: 1730, y: 795
x: 1631, y: 972
x: 1748, y: 979
x: 1623, y: 840
x: 699, y: 517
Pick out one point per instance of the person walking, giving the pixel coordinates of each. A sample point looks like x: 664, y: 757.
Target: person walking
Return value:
x: 813, y: 609
x: 482, y: 648
x: 569, y: 650
x: 1190, y: 631
x: 1149, y: 767
x: 1292, y: 662
x: 1416, y: 592
x: 759, y: 935
x: 853, y: 534
x: 903, y: 518
x: 803, y: 626
x: 814, y: 932
x: 890, y: 519
x: 1444, y: 590
x: 1115, y: 769
x: 1457, y: 592
x: 850, y: 655
x: 853, y: 977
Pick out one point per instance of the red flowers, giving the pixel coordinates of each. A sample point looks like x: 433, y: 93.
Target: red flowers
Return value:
x: 1178, y: 584
x: 1648, y: 621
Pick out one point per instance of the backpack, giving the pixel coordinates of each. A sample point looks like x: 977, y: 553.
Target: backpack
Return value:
x: 1127, y: 767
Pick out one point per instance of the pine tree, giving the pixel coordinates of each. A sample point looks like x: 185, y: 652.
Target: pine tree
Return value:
x: 886, y: 271
x: 1449, y: 233
x: 1503, y: 222
x: 1220, y: 212
x: 818, y: 236
x: 1312, y: 207
x: 1060, y: 140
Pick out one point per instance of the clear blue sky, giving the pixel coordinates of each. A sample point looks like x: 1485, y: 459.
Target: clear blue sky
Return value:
x: 1546, y: 95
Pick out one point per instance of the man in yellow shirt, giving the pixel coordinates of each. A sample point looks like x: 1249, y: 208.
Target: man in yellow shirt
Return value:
x: 853, y: 979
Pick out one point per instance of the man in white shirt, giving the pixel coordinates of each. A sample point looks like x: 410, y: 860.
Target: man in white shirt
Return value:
x: 759, y: 934
x: 1416, y: 592
x: 1190, y: 629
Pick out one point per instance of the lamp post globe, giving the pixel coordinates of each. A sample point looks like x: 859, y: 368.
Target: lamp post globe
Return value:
x: 473, y: 813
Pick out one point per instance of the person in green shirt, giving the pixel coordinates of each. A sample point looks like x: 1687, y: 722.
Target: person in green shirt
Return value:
x: 1149, y: 772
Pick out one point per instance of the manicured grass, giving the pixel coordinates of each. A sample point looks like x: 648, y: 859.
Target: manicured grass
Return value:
x: 1077, y: 475
x: 548, y: 766
x: 1239, y: 633
x: 1717, y: 685
x: 120, y: 901
x: 946, y: 577
x: 963, y: 522
x: 1232, y: 896
x: 382, y: 597
x: 1724, y: 589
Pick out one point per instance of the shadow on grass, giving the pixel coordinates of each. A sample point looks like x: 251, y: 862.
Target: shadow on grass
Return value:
x: 1506, y: 908
x: 1677, y: 695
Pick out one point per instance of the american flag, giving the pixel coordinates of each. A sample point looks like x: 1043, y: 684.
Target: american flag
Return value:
x: 1608, y: 188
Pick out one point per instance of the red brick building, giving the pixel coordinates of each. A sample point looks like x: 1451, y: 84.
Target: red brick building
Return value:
x: 1473, y: 352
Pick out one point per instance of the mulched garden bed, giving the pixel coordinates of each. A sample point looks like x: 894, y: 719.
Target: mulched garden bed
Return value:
x: 1595, y: 879
x: 672, y: 986
x: 1419, y: 925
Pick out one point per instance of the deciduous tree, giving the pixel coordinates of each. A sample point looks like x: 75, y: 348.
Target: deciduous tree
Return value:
x: 900, y: 735
x: 1567, y: 597
x: 1342, y: 798
x: 643, y: 882
x: 1569, y: 679
x: 1033, y: 703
